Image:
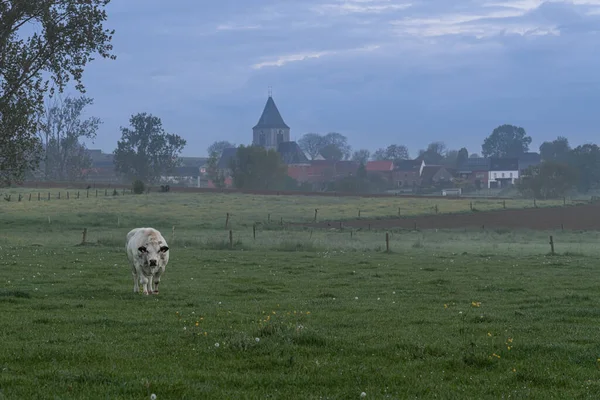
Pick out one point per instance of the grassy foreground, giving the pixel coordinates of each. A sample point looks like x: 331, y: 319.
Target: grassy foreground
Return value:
x: 446, y: 315
x: 298, y: 325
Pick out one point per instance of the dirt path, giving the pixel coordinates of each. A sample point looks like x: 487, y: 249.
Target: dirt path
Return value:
x: 582, y: 217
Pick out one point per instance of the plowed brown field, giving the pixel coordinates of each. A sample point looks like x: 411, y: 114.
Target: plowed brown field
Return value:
x: 581, y: 217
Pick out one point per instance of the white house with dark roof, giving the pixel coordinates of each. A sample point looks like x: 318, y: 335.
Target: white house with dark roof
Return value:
x: 503, y: 172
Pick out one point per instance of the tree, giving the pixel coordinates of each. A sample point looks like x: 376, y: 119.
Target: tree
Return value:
x: 339, y: 141
x: 506, y: 141
x: 462, y: 157
x: 70, y: 33
x: 586, y: 161
x: 473, y: 155
x: 255, y: 167
x: 434, y: 154
x: 218, y: 147
x: 332, y: 152
x: 146, y: 152
x: 214, y: 174
x: 556, y: 150
x: 393, y: 152
x: 361, y: 156
x: 311, y: 144
x: 548, y: 180
x: 450, y: 159
x: 62, y: 128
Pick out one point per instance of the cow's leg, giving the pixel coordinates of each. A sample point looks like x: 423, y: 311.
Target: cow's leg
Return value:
x: 156, y: 281
x: 136, y: 287
x: 145, y: 283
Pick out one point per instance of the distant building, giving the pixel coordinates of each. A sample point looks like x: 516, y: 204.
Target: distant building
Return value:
x: 503, y: 172
x: 271, y: 130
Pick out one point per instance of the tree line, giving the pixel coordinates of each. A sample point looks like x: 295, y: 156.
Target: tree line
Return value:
x: 46, y: 139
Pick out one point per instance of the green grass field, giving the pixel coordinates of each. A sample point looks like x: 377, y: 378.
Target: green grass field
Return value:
x: 292, y: 314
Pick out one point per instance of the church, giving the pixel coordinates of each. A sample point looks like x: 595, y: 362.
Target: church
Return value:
x: 272, y: 133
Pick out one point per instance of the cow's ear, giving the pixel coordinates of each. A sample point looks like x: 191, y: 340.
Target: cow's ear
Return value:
x: 164, y: 249
x: 142, y: 249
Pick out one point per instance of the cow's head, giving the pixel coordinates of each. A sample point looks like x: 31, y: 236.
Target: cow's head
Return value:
x: 151, y: 253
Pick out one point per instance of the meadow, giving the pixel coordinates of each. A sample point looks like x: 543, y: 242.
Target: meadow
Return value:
x: 292, y: 313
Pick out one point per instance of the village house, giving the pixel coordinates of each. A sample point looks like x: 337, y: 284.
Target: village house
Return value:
x: 475, y: 171
x: 503, y: 172
x: 436, y: 175
x: 407, y: 173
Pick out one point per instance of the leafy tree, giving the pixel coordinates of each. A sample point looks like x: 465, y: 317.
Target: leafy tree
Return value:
x: 506, y: 141
x: 393, y: 152
x: 334, y: 139
x: 550, y: 179
x: 146, y: 152
x: 556, y: 150
x: 218, y: 147
x: 311, y: 144
x: 70, y: 33
x: 435, y: 153
x: 255, y: 167
x: 450, y: 158
x: 332, y: 152
x: 462, y: 156
x: 586, y: 161
x: 361, y: 156
x: 335, y: 145
x: 62, y: 128
x: 214, y: 174
x: 473, y: 155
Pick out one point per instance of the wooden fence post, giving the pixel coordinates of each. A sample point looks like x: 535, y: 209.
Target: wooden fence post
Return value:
x: 268, y: 218
x: 399, y: 213
x: 48, y: 195
x: 564, y: 200
x: 254, y: 231
x: 551, y: 245
x: 415, y: 226
x: 436, y: 208
x: 316, y: 211
x: 387, y: 242
x: 67, y: 195
x: 39, y: 196
x: 281, y: 221
x: 227, y: 221
x: 173, y: 235
x: 88, y: 192
x: 471, y: 205
x: 105, y: 191
x: 29, y: 196
x: 96, y: 192
x: 231, y: 239
x: 59, y: 195
x: 359, y: 213
x: 84, y: 236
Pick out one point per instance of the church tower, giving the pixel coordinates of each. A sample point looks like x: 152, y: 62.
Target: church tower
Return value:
x: 270, y: 130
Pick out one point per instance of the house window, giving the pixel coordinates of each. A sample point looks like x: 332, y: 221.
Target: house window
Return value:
x: 511, y: 175
x: 503, y: 174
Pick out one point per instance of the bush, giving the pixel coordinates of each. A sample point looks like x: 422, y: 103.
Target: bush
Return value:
x: 138, y: 187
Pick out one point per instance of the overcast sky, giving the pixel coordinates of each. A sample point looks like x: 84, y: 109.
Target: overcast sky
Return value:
x: 377, y: 71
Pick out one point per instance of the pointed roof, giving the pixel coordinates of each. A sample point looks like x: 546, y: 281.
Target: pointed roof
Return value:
x: 270, y: 117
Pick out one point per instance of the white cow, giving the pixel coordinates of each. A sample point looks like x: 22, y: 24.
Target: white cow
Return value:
x: 148, y: 254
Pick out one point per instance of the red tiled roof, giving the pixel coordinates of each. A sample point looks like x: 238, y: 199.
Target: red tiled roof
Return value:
x: 379, y: 166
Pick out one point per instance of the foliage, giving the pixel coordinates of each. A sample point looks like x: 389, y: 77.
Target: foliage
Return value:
x: 556, y: 150
x: 333, y: 146
x: 62, y: 128
x: 393, y: 152
x: 310, y: 143
x: 70, y: 34
x: 361, y: 156
x: 506, y: 141
x: 255, y: 167
x: 548, y: 180
x: 212, y: 170
x: 332, y: 152
x: 146, y: 152
x: 586, y: 161
x: 138, y: 187
x: 218, y: 147
x: 434, y: 154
